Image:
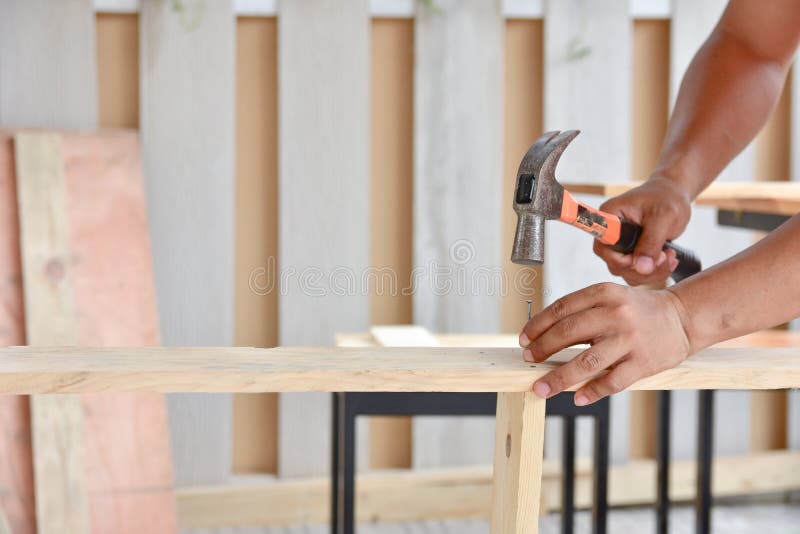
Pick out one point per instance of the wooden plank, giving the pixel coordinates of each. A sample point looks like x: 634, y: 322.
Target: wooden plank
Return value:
x: 324, y: 197
x: 30, y: 370
x: 187, y: 65
x: 587, y: 41
x: 255, y: 417
x: 458, y: 114
x: 692, y: 22
x: 518, y: 459
x: 384, y: 496
x: 57, y: 421
x: 780, y: 198
x: 47, y: 64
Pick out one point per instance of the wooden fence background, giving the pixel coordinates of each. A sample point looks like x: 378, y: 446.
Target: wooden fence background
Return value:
x: 328, y: 135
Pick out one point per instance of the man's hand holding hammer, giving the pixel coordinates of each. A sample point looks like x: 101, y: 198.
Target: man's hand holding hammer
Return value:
x: 726, y: 96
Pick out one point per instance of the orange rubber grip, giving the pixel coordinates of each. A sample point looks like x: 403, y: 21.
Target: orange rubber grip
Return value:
x: 603, y: 226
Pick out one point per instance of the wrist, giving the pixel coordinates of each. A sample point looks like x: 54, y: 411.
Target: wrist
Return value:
x: 675, y: 185
x: 696, y: 339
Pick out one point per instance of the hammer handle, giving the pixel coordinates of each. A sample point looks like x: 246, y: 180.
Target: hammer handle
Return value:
x: 688, y: 262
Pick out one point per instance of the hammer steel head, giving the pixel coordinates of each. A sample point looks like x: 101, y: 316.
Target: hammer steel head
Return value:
x: 538, y: 195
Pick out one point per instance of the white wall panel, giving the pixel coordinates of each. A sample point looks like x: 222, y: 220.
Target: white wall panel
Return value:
x: 187, y: 122
x: 587, y: 87
x: 692, y: 22
x: 458, y: 139
x: 324, y: 195
x: 48, y: 76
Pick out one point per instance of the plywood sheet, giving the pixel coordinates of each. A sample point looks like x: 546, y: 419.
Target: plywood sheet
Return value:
x: 128, y: 471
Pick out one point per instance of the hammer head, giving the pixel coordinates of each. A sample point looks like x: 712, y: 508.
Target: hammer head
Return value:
x: 538, y: 195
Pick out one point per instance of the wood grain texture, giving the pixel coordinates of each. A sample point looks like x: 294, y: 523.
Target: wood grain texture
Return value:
x: 16, y: 465
x: 458, y: 161
x: 692, y: 22
x: 187, y: 121
x: 255, y: 417
x: 518, y: 462
x: 128, y: 468
x: 467, y: 491
x: 57, y: 421
x: 323, y: 62
x: 587, y: 41
x: 29, y: 370
x: 47, y: 64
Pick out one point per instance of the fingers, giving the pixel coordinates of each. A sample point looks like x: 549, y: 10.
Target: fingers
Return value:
x: 572, y: 329
x: 648, y: 248
x: 583, y: 367
x: 617, y: 379
x: 565, y: 306
x: 622, y: 265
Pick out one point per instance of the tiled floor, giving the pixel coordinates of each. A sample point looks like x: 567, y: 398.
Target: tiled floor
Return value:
x: 742, y: 519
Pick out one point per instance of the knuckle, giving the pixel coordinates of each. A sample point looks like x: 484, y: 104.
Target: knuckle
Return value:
x: 602, y: 289
x: 558, y: 309
x: 589, y: 361
x: 566, y: 326
x: 557, y: 382
x: 612, y: 385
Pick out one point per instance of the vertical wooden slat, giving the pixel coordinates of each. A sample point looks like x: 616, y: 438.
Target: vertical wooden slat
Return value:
x: 522, y: 125
x: 458, y: 114
x: 692, y: 22
x: 187, y: 122
x: 650, y: 108
x: 769, y: 416
x: 118, y: 70
x: 587, y: 41
x: 47, y: 64
x: 391, y: 162
x: 57, y: 420
x: 323, y: 58
x: 255, y: 416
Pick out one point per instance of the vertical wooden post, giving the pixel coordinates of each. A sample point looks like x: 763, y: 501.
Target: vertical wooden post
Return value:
x: 518, y: 449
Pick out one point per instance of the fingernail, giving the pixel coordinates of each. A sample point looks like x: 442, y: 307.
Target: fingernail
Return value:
x: 581, y: 400
x: 644, y: 265
x: 528, y: 355
x: 523, y: 340
x: 542, y: 389
x: 661, y: 259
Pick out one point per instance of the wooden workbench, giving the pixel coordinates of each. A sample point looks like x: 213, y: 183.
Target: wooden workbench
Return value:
x: 520, y: 414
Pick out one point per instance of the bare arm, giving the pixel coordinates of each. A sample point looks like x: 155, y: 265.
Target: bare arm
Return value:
x: 726, y: 96
x: 729, y: 90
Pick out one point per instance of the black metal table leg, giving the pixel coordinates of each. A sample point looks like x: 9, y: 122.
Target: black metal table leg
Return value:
x: 705, y: 452
x: 663, y: 461
x: 336, y: 464
x: 568, y: 475
x: 601, y: 456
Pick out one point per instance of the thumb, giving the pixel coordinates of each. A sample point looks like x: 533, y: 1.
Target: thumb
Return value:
x: 648, y: 248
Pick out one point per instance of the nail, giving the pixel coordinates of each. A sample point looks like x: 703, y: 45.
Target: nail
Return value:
x: 523, y: 340
x: 644, y: 265
x: 528, y: 355
x: 542, y: 389
x: 581, y: 400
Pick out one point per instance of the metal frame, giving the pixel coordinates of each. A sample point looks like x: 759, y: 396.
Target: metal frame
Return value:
x: 347, y: 406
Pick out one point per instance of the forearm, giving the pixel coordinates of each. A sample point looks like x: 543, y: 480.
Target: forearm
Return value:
x: 756, y: 289
x: 725, y: 98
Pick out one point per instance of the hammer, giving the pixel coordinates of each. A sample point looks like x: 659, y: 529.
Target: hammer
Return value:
x: 539, y: 197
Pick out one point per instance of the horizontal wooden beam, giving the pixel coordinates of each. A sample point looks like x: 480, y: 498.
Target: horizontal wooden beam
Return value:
x: 465, y: 492
x: 30, y: 370
x: 512, y: 9
x: 780, y: 198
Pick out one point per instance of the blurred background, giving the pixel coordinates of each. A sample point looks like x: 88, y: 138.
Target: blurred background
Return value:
x: 307, y: 162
